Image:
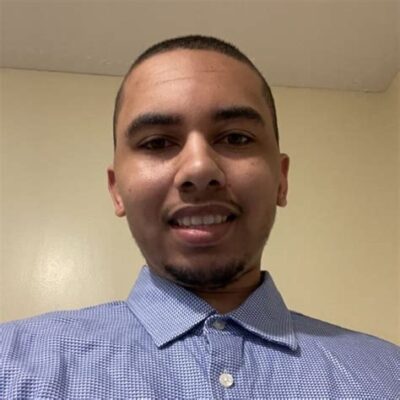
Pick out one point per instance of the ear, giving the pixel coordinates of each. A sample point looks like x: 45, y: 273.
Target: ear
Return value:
x: 283, y: 181
x: 114, y: 192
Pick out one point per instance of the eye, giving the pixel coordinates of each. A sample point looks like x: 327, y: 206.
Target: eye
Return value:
x: 237, y: 139
x: 158, y: 143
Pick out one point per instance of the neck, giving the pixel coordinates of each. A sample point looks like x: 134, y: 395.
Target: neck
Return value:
x: 228, y: 298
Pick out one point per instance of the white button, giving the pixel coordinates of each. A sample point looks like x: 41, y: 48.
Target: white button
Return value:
x: 226, y: 380
x: 220, y: 325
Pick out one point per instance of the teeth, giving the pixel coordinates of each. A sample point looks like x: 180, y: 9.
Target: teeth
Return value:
x: 196, y: 221
x: 209, y: 220
x: 205, y: 220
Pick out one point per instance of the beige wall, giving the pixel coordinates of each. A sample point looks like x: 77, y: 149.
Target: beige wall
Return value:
x: 334, y: 252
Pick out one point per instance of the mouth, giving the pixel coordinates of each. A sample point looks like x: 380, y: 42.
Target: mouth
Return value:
x: 203, y: 226
x: 199, y: 221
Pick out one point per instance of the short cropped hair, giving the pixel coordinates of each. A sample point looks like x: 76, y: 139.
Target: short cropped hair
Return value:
x: 196, y: 42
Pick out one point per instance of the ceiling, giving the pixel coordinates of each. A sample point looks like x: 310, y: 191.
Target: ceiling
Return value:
x: 336, y: 44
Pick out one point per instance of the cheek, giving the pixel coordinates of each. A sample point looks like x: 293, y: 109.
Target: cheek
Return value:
x: 144, y: 189
x: 255, y: 182
x: 256, y: 191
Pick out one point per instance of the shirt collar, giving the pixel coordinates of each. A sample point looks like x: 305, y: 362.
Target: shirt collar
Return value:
x: 167, y: 310
x: 265, y: 314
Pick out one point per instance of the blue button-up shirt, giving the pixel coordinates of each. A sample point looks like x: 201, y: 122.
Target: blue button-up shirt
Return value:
x: 166, y: 343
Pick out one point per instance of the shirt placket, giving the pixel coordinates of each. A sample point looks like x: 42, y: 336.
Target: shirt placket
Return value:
x: 226, y: 358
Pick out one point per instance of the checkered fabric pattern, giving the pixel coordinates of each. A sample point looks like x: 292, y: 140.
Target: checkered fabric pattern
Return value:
x: 166, y: 343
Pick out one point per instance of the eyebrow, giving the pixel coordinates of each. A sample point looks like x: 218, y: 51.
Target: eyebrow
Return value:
x: 153, y: 119
x: 238, y: 112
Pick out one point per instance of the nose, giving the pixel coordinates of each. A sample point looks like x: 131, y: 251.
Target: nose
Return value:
x: 198, y: 166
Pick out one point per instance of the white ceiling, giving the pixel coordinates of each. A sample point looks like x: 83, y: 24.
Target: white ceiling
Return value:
x: 339, y: 44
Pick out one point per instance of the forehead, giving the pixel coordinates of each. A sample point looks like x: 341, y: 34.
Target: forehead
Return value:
x: 174, y: 63
x: 181, y: 65
x: 190, y: 80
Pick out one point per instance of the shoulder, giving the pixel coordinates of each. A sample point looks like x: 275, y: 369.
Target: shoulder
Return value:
x: 40, y: 356
x: 101, y: 322
x: 350, y: 359
x: 309, y: 328
x: 346, y: 351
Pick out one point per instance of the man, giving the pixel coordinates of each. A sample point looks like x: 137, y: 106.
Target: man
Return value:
x: 198, y: 174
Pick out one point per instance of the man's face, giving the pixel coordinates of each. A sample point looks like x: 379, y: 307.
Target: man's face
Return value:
x: 197, y: 169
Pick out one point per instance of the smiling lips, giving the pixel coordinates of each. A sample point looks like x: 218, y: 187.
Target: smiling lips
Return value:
x: 203, y: 215
x: 201, y: 226
x: 196, y: 220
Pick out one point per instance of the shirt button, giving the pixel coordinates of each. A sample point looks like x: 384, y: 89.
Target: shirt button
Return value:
x: 226, y: 380
x: 220, y: 325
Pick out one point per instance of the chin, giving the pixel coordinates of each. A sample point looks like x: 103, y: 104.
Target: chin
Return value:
x: 210, y: 275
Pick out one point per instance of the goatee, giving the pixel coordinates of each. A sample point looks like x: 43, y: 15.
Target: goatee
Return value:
x: 207, y: 276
